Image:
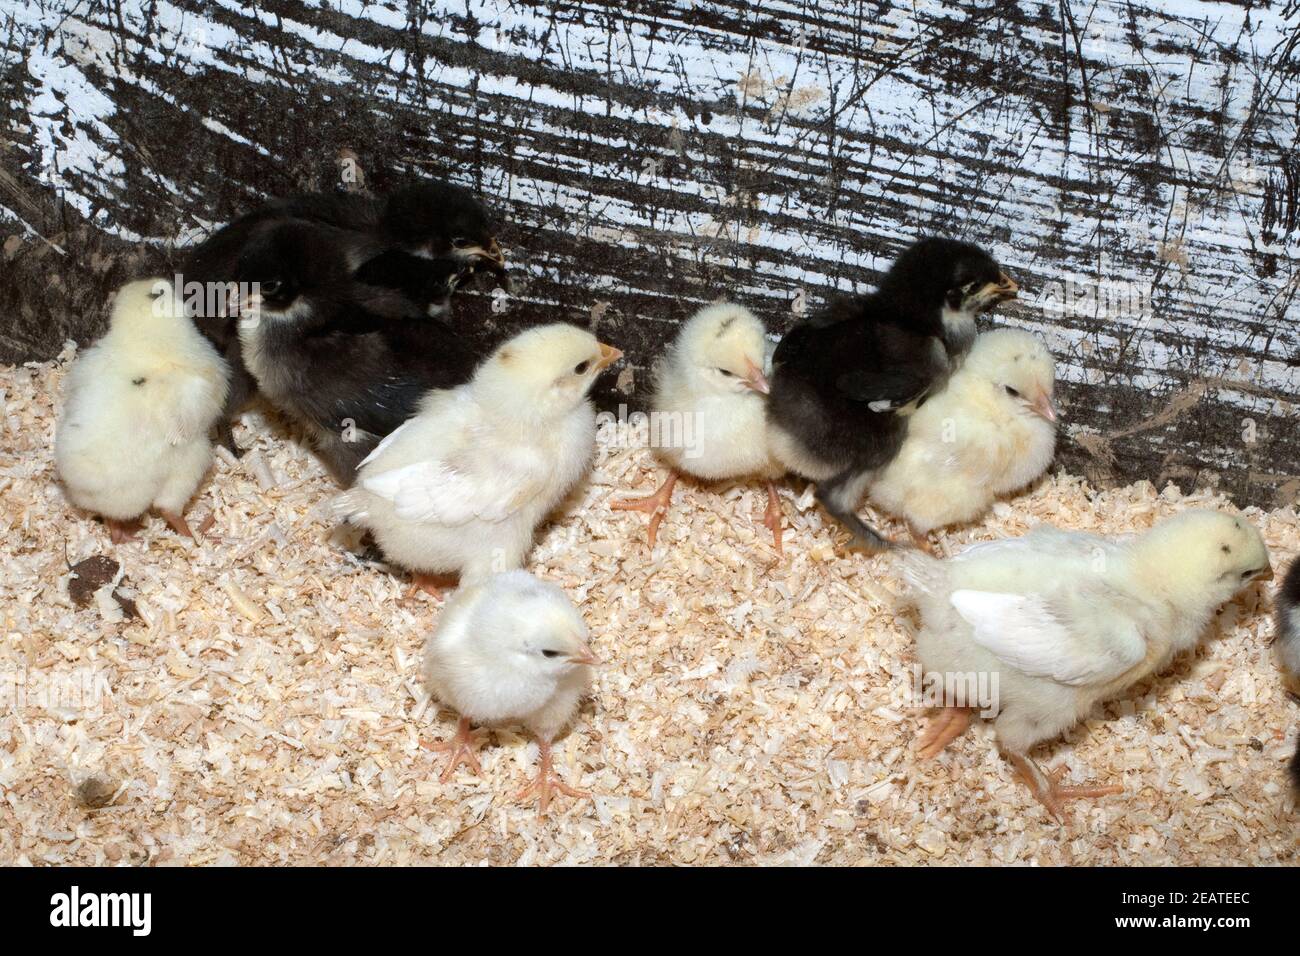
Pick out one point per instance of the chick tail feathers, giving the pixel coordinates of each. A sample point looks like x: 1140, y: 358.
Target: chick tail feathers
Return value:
x: 922, y: 573
x: 349, y: 506
x: 1295, y: 768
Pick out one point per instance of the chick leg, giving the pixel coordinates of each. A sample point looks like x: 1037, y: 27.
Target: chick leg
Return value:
x: 461, y: 747
x: 547, y: 781
x: 121, y: 532
x: 772, y: 517
x: 840, y: 497
x: 949, y: 724
x: 1047, y: 788
x: 176, y: 521
x: 655, y: 505
x: 922, y: 542
x: 431, y: 584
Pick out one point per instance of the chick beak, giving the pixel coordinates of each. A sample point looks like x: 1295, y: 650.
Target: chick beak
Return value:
x: 754, y: 378
x: 584, y: 656
x: 1264, y: 574
x: 1006, y: 287
x: 1044, y: 408
x: 492, y: 256
x: 608, y: 356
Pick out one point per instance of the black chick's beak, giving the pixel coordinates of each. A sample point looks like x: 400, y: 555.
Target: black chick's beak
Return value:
x: 490, y: 256
x: 1004, y: 288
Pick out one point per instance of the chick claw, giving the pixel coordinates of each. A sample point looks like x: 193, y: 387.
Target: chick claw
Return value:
x: 461, y: 747
x: 122, y: 532
x: 176, y: 521
x: 1047, y: 788
x: 656, y: 505
x: 949, y: 724
x: 546, y: 781
x: 430, y: 584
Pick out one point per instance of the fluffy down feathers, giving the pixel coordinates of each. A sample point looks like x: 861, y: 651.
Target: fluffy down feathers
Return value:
x: 709, y: 391
x: 1065, y: 619
x: 990, y: 431
x: 510, y: 648
x: 133, y: 434
x: 462, y: 486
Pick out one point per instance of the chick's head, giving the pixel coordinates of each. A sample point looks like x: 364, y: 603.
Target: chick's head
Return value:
x: 722, y: 348
x: 284, y: 263
x: 1018, y: 367
x: 945, y: 272
x: 532, y: 627
x: 1204, y: 554
x: 144, y: 305
x: 443, y: 220
x: 544, y: 372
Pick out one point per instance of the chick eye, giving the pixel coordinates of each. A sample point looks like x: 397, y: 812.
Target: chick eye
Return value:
x: 271, y: 288
x: 581, y: 367
x: 460, y: 242
x: 726, y: 373
x: 1011, y: 391
x: 550, y: 653
x: 1245, y: 574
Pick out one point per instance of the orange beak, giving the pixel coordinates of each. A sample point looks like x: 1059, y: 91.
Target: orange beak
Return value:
x: 1044, y: 408
x: 608, y: 356
x: 1006, y: 287
x: 584, y: 656
x: 755, y: 379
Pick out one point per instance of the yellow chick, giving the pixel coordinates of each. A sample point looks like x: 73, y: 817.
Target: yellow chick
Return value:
x: 462, y: 486
x: 991, y: 431
x: 707, y: 411
x: 1039, y: 629
x: 137, y: 408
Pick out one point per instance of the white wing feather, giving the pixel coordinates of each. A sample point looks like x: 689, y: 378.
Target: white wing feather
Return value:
x: 485, y: 482
x: 1077, y: 643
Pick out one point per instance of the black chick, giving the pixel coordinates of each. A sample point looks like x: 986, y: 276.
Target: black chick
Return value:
x: 429, y: 220
x: 442, y: 233
x: 842, y: 383
x: 347, y: 361
x: 1288, y: 641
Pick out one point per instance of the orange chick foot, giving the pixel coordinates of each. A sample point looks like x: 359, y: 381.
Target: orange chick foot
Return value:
x: 546, y: 782
x: 461, y: 749
x: 655, y: 505
x: 946, y: 726
x: 1047, y: 788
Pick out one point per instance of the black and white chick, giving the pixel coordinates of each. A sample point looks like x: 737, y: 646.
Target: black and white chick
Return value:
x: 345, y: 360
x: 844, y: 382
x: 422, y: 241
x: 429, y: 232
x: 1288, y: 642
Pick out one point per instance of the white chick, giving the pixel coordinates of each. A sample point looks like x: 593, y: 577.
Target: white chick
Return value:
x: 133, y: 433
x: 1054, y: 622
x: 708, y: 417
x: 991, y: 431
x: 462, y: 486
x: 510, y: 649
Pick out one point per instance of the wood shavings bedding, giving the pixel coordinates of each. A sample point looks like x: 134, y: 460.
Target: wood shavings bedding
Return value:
x: 264, y: 708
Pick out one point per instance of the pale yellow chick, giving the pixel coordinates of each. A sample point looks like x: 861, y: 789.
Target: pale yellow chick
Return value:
x: 138, y: 404
x: 707, y: 411
x: 990, y: 431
